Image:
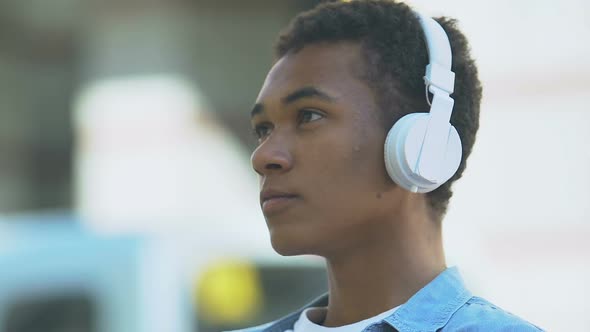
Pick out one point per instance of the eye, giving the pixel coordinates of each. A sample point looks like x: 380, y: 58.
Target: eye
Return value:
x: 261, y: 130
x: 309, y: 115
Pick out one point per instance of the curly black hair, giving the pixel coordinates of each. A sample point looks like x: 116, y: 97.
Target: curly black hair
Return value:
x: 394, y: 51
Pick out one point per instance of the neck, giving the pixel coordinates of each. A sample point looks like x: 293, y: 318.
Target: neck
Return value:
x: 398, y: 258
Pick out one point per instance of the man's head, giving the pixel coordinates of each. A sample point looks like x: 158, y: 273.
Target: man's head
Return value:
x: 345, y: 72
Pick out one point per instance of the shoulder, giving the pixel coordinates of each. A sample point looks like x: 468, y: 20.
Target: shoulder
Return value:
x: 478, y: 314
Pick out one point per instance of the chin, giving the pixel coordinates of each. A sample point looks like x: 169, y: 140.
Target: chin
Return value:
x: 289, y: 244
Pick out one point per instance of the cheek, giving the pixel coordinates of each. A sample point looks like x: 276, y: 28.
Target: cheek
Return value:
x: 341, y: 177
x: 349, y: 172
x: 354, y: 159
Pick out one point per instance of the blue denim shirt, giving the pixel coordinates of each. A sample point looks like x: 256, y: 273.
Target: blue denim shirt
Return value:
x: 442, y: 305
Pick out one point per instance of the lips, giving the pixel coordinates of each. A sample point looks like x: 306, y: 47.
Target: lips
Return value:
x: 271, y: 194
x: 275, y: 201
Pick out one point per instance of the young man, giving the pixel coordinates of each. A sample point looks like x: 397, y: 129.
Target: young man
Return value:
x: 345, y: 73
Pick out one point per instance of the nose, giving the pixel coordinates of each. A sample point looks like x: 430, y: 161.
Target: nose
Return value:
x: 272, y: 156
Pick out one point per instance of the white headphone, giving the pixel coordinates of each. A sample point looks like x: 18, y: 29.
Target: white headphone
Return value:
x: 423, y: 150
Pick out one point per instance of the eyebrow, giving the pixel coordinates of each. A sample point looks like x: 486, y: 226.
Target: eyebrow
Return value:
x: 305, y: 92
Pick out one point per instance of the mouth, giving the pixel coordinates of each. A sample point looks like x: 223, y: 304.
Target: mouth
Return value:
x: 274, y: 202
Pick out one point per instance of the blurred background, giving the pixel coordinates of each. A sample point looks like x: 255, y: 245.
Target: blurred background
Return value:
x: 127, y: 201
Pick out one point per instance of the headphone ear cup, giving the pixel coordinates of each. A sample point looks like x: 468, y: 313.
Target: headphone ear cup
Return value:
x: 403, y: 147
x: 453, y: 155
x: 401, y: 154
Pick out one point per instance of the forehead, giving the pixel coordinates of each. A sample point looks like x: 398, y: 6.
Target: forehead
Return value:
x: 333, y: 67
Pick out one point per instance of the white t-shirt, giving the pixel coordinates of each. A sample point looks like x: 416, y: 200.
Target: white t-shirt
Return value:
x: 304, y: 324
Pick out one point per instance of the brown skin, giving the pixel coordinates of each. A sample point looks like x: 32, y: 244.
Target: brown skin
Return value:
x: 378, y: 240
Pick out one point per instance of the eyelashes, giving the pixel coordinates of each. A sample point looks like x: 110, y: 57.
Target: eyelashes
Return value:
x: 261, y: 130
x: 309, y: 115
x: 304, y: 116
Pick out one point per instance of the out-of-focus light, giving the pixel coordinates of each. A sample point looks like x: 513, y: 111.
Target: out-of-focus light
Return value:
x: 229, y: 292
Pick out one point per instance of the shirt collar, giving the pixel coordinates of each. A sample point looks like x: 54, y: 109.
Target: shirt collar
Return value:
x: 428, y: 310
x: 287, y: 323
x: 431, y: 307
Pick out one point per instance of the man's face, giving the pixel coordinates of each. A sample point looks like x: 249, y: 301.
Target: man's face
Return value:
x: 324, y: 187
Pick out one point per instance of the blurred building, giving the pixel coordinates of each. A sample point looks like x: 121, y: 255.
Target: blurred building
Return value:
x: 51, y: 51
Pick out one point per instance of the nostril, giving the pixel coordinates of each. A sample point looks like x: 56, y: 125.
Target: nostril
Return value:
x: 273, y: 166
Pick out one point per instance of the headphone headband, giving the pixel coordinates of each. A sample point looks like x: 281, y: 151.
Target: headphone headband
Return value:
x: 438, y: 72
